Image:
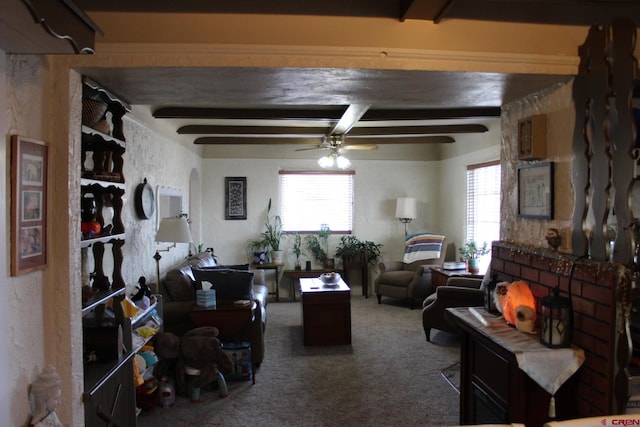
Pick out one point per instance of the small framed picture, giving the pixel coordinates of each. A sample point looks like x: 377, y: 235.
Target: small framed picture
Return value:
x: 28, y: 205
x: 535, y: 190
x: 235, y: 198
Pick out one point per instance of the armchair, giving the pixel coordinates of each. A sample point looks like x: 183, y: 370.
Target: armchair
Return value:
x: 459, y: 291
x: 411, y: 280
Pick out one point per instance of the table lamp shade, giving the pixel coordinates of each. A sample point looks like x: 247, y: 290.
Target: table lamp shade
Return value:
x: 174, y: 230
x: 406, y: 207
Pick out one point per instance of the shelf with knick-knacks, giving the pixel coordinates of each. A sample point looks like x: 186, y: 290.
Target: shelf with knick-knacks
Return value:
x: 101, y: 210
x: 107, y: 331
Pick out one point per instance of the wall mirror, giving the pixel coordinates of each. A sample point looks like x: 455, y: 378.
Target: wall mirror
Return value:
x: 169, y: 203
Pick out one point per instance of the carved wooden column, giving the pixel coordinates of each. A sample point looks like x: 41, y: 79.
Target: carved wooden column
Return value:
x: 622, y: 134
x: 603, y: 143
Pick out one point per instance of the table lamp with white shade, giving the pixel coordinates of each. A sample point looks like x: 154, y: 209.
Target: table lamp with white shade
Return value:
x: 174, y: 230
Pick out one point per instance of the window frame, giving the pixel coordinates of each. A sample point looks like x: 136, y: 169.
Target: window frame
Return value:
x: 471, y: 208
x: 351, y: 208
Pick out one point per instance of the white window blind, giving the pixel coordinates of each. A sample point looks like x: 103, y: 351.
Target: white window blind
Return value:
x: 310, y: 199
x: 483, y: 202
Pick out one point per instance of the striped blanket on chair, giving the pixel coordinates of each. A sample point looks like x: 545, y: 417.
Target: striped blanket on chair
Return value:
x: 422, y: 246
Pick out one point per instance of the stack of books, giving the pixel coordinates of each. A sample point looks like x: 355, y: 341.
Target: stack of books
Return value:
x: 206, y: 298
x: 454, y: 265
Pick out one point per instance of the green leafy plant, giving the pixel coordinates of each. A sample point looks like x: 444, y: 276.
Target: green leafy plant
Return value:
x: 313, y: 245
x: 273, y: 233
x: 471, y: 250
x: 351, y: 247
x: 297, y: 248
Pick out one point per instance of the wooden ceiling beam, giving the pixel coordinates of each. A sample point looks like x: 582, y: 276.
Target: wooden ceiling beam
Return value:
x: 432, y: 10
x: 235, y: 140
x: 282, y: 131
x: 241, y: 140
x: 319, y: 113
x: 430, y: 114
x: 392, y: 131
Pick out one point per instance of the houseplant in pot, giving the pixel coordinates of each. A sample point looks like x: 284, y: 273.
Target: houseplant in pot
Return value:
x: 272, y: 235
x: 471, y: 253
x: 297, y: 250
x: 318, y: 246
x: 257, y: 251
x: 353, y: 250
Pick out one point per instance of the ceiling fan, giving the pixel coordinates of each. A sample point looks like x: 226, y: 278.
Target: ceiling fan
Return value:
x: 335, y: 142
x: 336, y: 145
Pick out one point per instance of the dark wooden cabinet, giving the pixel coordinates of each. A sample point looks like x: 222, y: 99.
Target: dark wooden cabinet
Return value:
x: 493, y: 389
x: 326, y: 313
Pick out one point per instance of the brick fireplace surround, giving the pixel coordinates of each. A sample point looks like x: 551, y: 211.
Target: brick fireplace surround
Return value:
x: 601, y: 301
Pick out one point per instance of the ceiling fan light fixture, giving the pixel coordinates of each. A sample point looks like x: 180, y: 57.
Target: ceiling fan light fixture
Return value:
x: 326, y: 161
x: 343, y: 162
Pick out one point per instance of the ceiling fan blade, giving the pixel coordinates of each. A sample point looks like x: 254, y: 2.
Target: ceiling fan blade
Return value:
x: 360, y: 147
x: 350, y: 117
x: 311, y: 148
x: 431, y: 139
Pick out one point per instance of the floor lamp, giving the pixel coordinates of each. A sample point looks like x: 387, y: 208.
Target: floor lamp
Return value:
x: 174, y: 230
x: 405, y: 210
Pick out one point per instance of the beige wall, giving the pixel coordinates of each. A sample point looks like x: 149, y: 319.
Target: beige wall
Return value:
x: 23, y: 296
x: 5, y: 355
x: 557, y: 105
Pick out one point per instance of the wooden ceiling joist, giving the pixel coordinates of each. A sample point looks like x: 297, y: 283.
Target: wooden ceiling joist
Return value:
x: 234, y: 140
x: 325, y: 114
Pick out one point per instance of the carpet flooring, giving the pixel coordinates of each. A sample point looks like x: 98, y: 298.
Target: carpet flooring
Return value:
x: 389, y: 376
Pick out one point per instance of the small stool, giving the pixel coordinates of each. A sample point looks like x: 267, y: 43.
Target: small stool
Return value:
x: 194, y: 392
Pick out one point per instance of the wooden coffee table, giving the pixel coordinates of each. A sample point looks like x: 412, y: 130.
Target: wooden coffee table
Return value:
x: 326, y: 312
x: 296, y: 275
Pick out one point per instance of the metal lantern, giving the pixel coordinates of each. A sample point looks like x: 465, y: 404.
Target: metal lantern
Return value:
x: 489, y: 290
x: 556, y: 320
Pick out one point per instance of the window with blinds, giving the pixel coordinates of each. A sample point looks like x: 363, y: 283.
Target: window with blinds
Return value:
x: 483, y: 202
x: 311, y: 199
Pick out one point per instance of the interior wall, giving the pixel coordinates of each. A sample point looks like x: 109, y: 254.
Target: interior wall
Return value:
x: 6, y: 379
x: 375, y: 195
x: 557, y: 105
x: 21, y: 297
x: 163, y: 163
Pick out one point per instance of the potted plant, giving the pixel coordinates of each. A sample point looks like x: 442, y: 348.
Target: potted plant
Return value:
x: 471, y: 253
x: 315, y: 248
x: 297, y: 250
x: 256, y: 249
x: 323, y: 237
x: 318, y: 245
x: 351, y: 249
x: 272, y: 235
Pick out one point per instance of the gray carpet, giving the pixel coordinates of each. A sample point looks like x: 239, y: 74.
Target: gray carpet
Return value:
x: 389, y: 376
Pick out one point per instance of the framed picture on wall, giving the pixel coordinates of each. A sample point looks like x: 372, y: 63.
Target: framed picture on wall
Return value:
x: 535, y: 190
x: 235, y: 198
x: 28, y: 205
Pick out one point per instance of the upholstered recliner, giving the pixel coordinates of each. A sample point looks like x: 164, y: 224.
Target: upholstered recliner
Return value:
x: 412, y: 280
x: 459, y: 291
